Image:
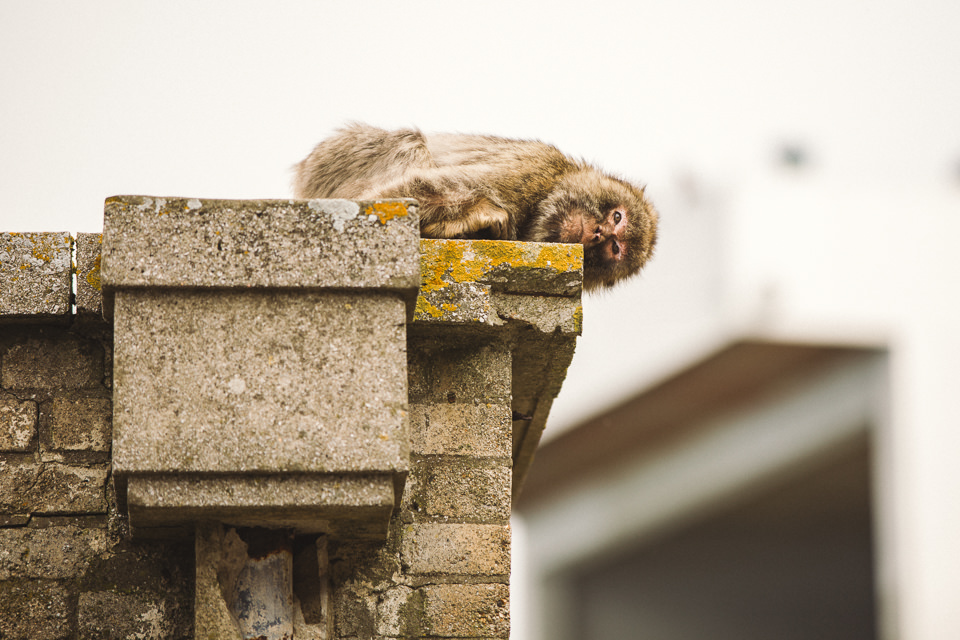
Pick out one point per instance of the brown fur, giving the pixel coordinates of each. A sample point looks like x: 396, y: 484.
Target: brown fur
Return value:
x: 473, y: 186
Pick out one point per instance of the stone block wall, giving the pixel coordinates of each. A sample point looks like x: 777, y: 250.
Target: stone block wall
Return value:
x: 445, y: 569
x: 67, y: 567
x: 487, y: 343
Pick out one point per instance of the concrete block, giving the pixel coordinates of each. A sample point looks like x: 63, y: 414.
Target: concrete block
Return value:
x: 460, y: 490
x: 538, y: 268
x: 36, y: 609
x: 266, y: 339
x: 107, y: 615
x: 319, y: 244
x: 49, y: 553
x: 466, y: 610
x: 137, y: 582
x: 395, y: 616
x: 479, y: 430
x: 18, y: 423
x: 35, y: 274
x: 52, y: 489
x: 278, y: 382
x: 458, y: 370
x: 89, y: 299
x: 456, y: 549
x: 53, y: 362
x: 355, y: 611
x: 524, y: 295
x: 78, y: 423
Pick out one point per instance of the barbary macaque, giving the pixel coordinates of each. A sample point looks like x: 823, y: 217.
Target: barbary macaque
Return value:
x: 473, y: 186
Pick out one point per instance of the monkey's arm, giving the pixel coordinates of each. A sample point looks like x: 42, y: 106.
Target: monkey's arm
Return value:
x: 454, y: 203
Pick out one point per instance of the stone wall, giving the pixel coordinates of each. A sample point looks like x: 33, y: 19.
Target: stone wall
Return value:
x: 445, y: 569
x: 488, y: 341
x: 67, y: 567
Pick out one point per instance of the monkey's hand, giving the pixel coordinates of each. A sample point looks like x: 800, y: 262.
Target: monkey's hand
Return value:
x: 483, y: 219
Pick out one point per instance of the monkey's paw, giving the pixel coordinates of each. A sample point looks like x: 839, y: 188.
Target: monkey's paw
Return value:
x: 483, y: 220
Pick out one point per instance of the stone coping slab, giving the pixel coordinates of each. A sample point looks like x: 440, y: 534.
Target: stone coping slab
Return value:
x: 35, y: 273
x: 153, y: 242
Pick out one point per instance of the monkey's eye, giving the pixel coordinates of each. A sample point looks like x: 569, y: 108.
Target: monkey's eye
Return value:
x: 616, y: 217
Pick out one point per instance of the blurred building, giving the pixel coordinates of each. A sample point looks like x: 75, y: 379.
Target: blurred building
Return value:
x: 758, y: 439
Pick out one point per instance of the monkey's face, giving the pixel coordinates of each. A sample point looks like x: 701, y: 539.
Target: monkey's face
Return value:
x: 611, y: 218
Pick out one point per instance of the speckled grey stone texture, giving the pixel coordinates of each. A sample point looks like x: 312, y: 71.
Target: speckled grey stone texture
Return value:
x: 175, y: 242
x: 276, y: 382
x: 262, y: 341
x: 18, y: 423
x: 457, y: 549
x: 35, y: 272
x: 332, y: 504
x: 89, y: 300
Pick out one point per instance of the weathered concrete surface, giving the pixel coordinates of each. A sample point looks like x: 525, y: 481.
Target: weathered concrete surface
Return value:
x: 212, y: 619
x: 49, y: 553
x: 89, y: 300
x: 52, y: 488
x: 78, y: 422
x: 275, y: 381
x: 52, y: 361
x: 354, y: 505
x: 247, y: 337
x: 35, y: 271
x: 468, y: 490
x: 36, y: 609
x: 481, y: 429
x: 465, y: 610
x: 456, y: 549
x: 174, y: 242
x: 463, y: 281
x: 18, y: 423
x: 525, y: 294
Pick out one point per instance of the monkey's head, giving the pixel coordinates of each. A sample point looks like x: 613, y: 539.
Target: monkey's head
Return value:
x: 613, y: 220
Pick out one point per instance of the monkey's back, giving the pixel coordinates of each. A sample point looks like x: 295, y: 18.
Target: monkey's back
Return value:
x: 522, y: 171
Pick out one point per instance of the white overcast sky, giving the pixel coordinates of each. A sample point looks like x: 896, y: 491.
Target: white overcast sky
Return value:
x: 219, y: 99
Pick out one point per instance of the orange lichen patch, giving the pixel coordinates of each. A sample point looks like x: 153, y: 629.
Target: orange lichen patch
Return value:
x: 93, y: 276
x: 426, y: 308
x: 386, y: 210
x: 444, y: 262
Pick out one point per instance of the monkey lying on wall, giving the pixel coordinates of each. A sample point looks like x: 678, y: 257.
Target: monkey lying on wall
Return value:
x: 472, y: 186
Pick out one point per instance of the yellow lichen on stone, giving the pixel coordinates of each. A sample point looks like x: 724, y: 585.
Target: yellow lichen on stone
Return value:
x: 447, y: 261
x: 44, y: 246
x: 386, y: 210
x: 578, y: 319
x: 426, y: 308
x: 93, y: 276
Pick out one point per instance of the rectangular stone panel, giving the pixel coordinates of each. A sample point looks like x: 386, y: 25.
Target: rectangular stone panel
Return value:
x: 259, y: 381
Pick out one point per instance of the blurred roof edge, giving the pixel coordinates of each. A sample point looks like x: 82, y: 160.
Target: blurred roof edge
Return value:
x: 732, y: 378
